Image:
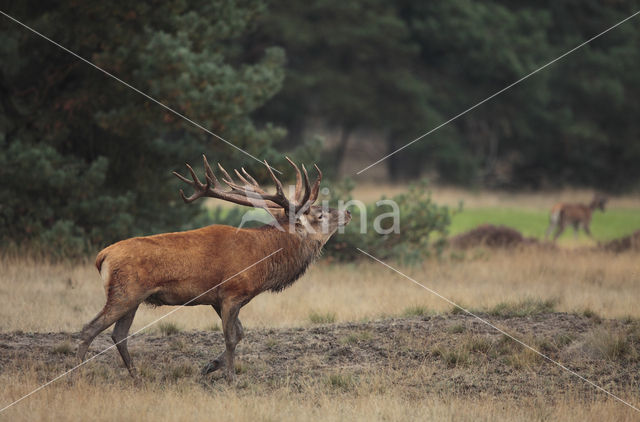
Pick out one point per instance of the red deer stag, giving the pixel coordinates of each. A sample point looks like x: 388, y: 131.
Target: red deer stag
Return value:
x: 218, y: 265
x: 578, y: 215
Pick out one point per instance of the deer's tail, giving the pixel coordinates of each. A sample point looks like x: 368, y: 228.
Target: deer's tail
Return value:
x: 100, y: 259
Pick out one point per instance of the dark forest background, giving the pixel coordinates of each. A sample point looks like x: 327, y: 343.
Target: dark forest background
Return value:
x: 84, y: 157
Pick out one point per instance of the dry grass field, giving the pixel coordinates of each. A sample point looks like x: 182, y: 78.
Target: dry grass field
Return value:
x: 41, y: 297
x: 346, y: 342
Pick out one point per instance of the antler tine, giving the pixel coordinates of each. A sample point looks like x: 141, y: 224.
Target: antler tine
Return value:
x: 316, y: 186
x: 201, y: 189
x: 307, y: 191
x: 241, y: 177
x: 298, y: 181
x: 181, y: 177
x: 253, y: 182
x: 279, y: 187
x: 209, y: 174
x: 225, y: 174
x: 194, y: 176
x: 230, y: 181
x: 280, y: 197
x: 251, y: 194
x: 248, y: 176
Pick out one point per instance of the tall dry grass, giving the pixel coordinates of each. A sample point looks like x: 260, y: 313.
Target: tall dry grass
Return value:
x: 373, y: 397
x: 42, y: 296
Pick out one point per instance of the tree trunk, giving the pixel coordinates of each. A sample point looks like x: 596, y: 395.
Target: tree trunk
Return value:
x: 393, y: 162
x: 341, y: 148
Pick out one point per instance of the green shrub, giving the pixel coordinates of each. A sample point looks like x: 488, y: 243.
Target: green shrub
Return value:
x: 422, y: 230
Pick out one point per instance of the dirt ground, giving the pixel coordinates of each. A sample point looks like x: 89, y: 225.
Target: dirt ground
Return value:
x: 442, y: 354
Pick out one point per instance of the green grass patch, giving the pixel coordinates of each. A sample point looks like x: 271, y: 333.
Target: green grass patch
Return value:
x: 525, y: 307
x: 457, y: 328
x: 169, y: 328
x: 452, y: 357
x: 322, y: 318
x: 355, y: 338
x: 416, y: 310
x: 609, y: 225
x: 342, y: 382
x: 180, y: 370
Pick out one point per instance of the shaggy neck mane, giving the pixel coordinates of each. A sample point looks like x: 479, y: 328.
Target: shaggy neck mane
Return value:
x: 298, y: 252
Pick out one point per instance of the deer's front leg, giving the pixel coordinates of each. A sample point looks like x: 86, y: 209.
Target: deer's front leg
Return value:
x: 231, y: 336
x: 587, y: 230
x: 220, y: 361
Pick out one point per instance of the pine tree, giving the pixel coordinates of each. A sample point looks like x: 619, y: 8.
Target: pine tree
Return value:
x: 84, y: 160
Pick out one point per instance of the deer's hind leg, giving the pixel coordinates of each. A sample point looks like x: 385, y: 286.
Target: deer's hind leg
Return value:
x: 121, y: 300
x: 561, y: 228
x: 105, y: 318
x: 552, y: 226
x: 119, y: 337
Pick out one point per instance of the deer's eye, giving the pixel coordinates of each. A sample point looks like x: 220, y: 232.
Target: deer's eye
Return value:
x: 320, y: 217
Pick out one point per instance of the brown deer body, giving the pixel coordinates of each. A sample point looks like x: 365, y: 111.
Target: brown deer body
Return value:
x: 217, y: 265
x: 576, y: 215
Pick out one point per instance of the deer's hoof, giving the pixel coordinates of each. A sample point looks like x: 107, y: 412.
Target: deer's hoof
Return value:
x: 212, y: 366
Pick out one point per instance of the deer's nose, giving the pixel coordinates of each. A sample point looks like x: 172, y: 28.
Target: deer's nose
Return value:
x: 348, y: 212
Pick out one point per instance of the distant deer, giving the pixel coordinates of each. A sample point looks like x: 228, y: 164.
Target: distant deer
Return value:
x: 577, y: 215
x: 227, y: 264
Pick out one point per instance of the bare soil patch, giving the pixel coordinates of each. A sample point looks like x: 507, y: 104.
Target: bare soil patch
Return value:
x: 442, y: 354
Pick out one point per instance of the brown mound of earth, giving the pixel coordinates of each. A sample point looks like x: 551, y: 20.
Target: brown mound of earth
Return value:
x: 491, y: 236
x: 626, y: 243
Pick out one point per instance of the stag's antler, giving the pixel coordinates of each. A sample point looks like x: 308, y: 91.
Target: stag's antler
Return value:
x: 250, y: 193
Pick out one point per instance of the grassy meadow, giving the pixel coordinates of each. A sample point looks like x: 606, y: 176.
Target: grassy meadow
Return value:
x: 41, y: 296
x: 526, y: 212
x: 611, y: 224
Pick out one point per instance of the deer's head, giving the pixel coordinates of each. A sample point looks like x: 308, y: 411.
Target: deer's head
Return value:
x: 297, y: 215
x: 599, y: 201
